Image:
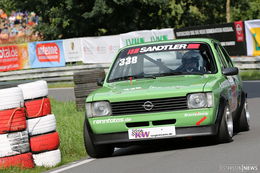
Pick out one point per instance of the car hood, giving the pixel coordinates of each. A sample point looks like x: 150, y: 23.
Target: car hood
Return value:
x: 161, y: 87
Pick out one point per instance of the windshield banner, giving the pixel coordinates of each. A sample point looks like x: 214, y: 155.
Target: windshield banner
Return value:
x: 14, y: 57
x: 253, y: 37
x: 138, y: 37
x: 46, y: 54
x: 99, y: 49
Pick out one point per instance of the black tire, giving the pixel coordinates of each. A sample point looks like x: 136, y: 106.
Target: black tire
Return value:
x: 224, y: 133
x: 96, y: 151
x: 244, y: 119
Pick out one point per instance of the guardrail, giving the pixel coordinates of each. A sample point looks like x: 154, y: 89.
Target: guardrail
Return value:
x: 51, y: 75
x: 247, y: 63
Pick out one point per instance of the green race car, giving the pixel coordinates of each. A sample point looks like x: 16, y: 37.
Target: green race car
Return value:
x: 169, y: 89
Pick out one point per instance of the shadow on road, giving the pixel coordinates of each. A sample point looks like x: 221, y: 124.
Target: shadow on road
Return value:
x: 165, y: 145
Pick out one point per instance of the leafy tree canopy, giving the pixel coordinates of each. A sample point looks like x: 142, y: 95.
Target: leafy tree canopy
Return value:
x: 77, y: 18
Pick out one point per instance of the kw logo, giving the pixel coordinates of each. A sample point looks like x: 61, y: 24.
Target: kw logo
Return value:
x: 140, y: 134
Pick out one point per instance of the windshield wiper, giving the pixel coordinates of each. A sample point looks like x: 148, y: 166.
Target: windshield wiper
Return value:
x: 181, y: 73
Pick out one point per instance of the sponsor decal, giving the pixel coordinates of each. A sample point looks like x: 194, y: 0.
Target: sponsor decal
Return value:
x: 158, y: 48
x: 48, y: 52
x: 155, y: 132
x: 201, y: 120
x: 112, y: 120
x: 196, y: 114
x: 140, y: 133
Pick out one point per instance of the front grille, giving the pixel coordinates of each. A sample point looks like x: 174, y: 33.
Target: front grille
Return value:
x: 158, y: 105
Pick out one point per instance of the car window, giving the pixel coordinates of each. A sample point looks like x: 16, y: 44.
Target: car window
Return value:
x: 226, y: 56
x: 223, y: 61
x: 163, y: 59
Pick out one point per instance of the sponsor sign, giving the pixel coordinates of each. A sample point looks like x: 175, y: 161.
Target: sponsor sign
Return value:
x: 46, y: 54
x: 112, y: 120
x: 14, y: 57
x: 99, y: 49
x: 231, y: 35
x: 138, y: 37
x: 72, y: 50
x: 253, y: 37
x: 155, y: 132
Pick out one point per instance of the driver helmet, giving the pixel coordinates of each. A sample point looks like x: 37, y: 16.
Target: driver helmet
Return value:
x: 191, y: 57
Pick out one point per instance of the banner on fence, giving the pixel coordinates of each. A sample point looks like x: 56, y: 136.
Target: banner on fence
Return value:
x: 231, y: 35
x: 253, y: 37
x: 72, y: 50
x: 138, y: 37
x: 99, y: 49
x: 46, y: 54
x: 14, y: 57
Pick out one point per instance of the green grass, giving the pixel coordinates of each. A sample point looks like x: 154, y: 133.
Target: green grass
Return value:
x: 61, y: 85
x: 70, y: 129
x: 250, y: 74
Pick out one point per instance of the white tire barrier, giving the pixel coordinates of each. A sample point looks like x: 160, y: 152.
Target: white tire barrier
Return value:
x: 41, y: 125
x: 47, y: 159
x: 14, y: 144
x: 34, y: 90
x: 11, y: 98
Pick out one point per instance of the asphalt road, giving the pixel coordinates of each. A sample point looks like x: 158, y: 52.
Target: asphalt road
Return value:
x: 197, y: 155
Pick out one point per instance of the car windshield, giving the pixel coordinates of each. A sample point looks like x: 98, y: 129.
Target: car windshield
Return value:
x: 159, y: 60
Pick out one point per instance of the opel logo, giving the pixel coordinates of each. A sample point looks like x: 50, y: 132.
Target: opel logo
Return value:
x: 148, y: 105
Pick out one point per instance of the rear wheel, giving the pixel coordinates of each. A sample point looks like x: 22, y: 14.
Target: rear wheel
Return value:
x: 96, y: 151
x: 244, y: 119
x: 225, y: 132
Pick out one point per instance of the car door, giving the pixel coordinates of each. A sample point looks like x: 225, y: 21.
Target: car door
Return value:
x: 234, y: 80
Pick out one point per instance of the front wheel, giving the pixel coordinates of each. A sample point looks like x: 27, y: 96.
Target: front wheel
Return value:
x: 225, y: 132
x: 96, y: 151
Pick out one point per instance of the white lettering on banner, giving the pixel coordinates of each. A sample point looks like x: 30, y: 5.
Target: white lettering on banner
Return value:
x: 204, y: 31
x: 228, y: 43
x: 44, y: 50
x: 8, y: 52
x: 164, y: 47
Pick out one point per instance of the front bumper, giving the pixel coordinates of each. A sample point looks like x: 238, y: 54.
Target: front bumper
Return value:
x: 122, y: 137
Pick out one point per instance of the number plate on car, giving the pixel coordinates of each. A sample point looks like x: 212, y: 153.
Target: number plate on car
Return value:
x: 155, y: 132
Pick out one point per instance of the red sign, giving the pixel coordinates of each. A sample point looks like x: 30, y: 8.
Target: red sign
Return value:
x: 48, y: 52
x: 239, y: 27
x: 9, y: 58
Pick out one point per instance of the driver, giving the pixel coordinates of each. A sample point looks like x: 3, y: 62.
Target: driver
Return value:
x: 190, y: 62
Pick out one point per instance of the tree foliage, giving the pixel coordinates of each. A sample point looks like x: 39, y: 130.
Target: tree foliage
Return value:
x: 77, y: 18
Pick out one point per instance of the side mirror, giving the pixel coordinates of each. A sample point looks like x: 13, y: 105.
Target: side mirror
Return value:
x: 230, y: 71
x: 100, y: 82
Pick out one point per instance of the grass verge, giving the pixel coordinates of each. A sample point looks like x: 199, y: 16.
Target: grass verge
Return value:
x: 250, y: 74
x: 70, y: 129
x: 61, y: 85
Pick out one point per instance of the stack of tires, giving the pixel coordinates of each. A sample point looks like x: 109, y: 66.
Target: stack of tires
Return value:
x: 86, y: 82
x: 14, y: 142
x: 41, y: 124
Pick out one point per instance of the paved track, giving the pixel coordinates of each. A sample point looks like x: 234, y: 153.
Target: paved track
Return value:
x: 187, y: 156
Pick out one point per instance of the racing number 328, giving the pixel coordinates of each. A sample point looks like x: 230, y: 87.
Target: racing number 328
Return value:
x: 128, y: 60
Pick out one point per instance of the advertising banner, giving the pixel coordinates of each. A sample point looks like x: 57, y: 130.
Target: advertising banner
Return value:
x: 253, y: 37
x: 231, y: 35
x: 14, y: 57
x: 72, y: 50
x: 46, y: 54
x: 138, y: 37
x: 99, y: 49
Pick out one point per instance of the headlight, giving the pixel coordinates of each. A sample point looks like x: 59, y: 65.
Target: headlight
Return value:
x: 101, y: 108
x: 200, y: 100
